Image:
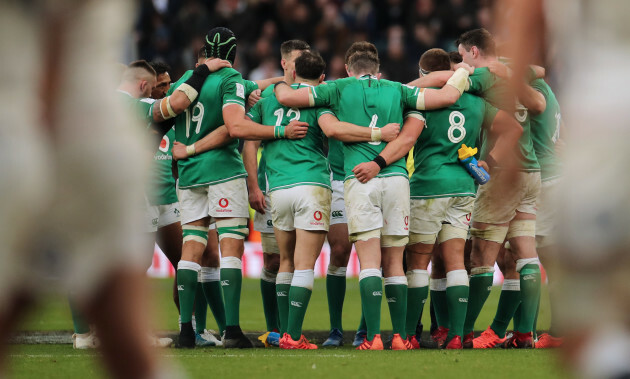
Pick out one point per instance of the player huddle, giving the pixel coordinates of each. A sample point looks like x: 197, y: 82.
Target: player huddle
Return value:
x: 334, y: 165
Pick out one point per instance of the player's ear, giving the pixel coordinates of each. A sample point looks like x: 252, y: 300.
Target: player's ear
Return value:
x: 347, y: 71
x: 196, y: 64
x: 293, y: 75
x: 321, y: 77
x: 283, y: 63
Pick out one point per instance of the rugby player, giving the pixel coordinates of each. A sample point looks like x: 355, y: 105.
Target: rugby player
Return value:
x: 442, y: 195
x: 259, y: 199
x: 208, y: 190
x: 377, y: 211
x: 502, y: 211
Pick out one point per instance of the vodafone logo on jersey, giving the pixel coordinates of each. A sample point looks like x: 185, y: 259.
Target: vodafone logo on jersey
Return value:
x: 317, y: 215
x: 164, y: 144
x: 223, y: 203
x: 406, y: 220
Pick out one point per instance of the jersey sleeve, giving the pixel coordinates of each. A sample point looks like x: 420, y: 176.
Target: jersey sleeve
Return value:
x: 255, y: 113
x: 233, y: 90
x: 480, y: 81
x: 324, y: 95
x: 250, y: 86
x: 322, y: 111
x: 145, y: 109
x: 414, y: 114
x: 489, y: 114
x: 410, y: 97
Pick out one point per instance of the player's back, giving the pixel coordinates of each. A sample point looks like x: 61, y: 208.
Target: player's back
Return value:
x: 496, y: 91
x: 203, y: 116
x: 369, y: 102
x: 438, y: 172
x: 293, y: 162
x: 546, y: 132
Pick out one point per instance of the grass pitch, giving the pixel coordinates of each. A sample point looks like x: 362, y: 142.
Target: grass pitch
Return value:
x: 61, y: 361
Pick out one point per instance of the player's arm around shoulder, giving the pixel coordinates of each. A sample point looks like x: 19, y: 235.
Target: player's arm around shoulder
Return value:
x: 348, y: 132
x: 293, y: 98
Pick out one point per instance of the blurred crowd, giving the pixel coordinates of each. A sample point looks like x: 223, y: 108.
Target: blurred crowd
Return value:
x: 171, y: 30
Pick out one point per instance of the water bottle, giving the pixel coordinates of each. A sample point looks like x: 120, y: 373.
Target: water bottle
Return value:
x: 467, y: 158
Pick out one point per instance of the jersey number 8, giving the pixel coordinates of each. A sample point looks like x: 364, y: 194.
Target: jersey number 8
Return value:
x: 456, y: 125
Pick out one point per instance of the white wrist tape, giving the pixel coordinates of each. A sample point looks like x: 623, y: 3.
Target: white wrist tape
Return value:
x: 459, y: 80
x: 376, y: 134
x: 190, y: 150
x: 190, y: 92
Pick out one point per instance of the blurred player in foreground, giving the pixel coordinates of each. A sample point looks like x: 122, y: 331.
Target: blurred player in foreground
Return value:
x: 74, y: 185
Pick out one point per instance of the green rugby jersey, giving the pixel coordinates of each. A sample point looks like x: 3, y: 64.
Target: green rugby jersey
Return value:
x: 495, y: 90
x: 204, y: 115
x: 140, y: 109
x: 262, y: 164
x: 292, y: 163
x: 161, y: 181
x: 368, y: 102
x: 546, y: 131
x: 437, y: 170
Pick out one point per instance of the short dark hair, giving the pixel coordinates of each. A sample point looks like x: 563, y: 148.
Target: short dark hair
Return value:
x: 360, y: 46
x: 160, y: 67
x: 291, y: 45
x: 363, y: 62
x: 310, y: 65
x: 435, y: 60
x: 455, y: 57
x: 480, y: 38
x: 141, y: 63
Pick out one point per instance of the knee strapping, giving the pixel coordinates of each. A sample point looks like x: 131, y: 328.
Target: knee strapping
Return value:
x: 231, y: 262
x: 427, y: 239
x: 450, y: 232
x: 492, y: 233
x: 268, y: 276
x: 269, y: 243
x: 233, y: 228
x: 457, y: 278
x: 481, y: 270
x: 417, y: 278
x: 520, y: 263
x: 195, y: 233
x: 209, y: 274
x: 394, y: 241
x: 364, y: 236
x: 521, y: 228
x: 336, y: 271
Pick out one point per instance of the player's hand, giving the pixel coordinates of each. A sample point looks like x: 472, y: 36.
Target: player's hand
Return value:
x: 483, y: 165
x: 468, y: 67
x: 499, y: 69
x: 253, y: 98
x: 257, y: 200
x: 215, y: 64
x: 296, y: 130
x: 179, y: 151
x: 365, y: 171
x: 390, y: 131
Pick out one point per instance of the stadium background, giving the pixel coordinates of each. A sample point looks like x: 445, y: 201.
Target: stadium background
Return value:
x: 171, y: 31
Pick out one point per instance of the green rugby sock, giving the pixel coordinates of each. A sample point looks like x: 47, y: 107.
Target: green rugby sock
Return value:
x: 480, y: 287
x: 270, y: 304
x: 187, y: 273
x: 213, y: 293
x: 80, y: 325
x: 283, y: 286
x: 231, y: 282
x: 396, y: 294
x: 299, y: 297
x: 457, y: 292
x: 530, y: 295
x: 336, y: 292
x: 438, y: 299
x: 371, y: 287
x: 417, y: 292
x: 508, y: 303
x: 201, y: 309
